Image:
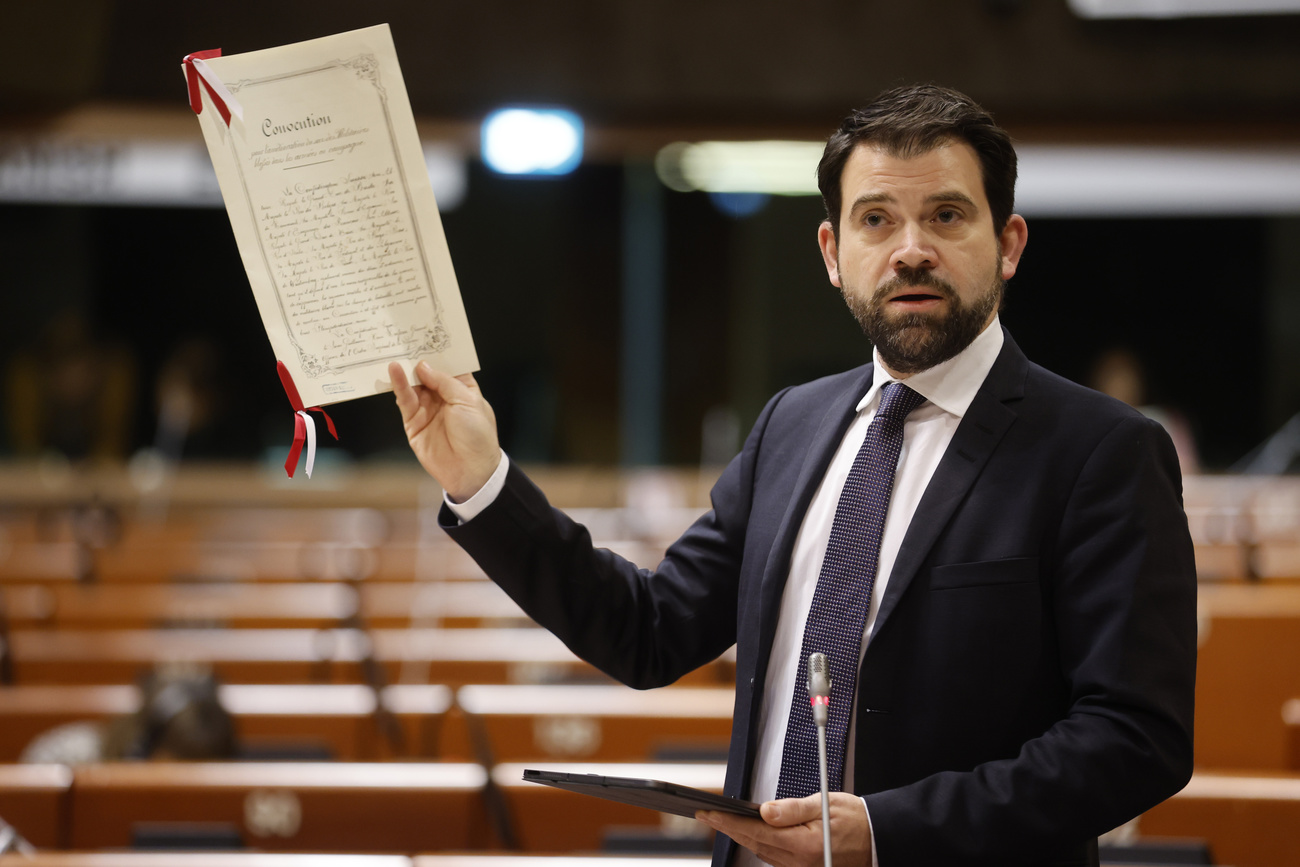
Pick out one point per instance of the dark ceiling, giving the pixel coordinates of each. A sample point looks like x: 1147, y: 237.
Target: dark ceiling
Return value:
x: 759, y: 63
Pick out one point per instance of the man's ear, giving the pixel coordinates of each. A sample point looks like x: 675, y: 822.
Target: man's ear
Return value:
x: 1011, y: 243
x: 830, y: 252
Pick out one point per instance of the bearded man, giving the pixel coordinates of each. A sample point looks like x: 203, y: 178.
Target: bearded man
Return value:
x: 994, y: 559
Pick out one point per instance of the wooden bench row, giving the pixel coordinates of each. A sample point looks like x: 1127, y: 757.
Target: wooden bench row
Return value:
x: 170, y: 559
x: 1248, y: 636
x: 448, y: 656
x: 242, y: 605
x: 389, y: 604
x: 304, y: 807
x: 601, y: 722
x: 284, y: 859
x: 1249, y: 640
x: 1248, y: 821
x: 286, y: 560
x: 483, y: 723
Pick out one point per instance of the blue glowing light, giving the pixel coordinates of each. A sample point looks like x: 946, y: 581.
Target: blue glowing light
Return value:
x: 532, y: 141
x: 739, y: 205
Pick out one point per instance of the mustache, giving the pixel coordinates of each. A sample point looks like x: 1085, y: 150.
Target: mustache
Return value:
x: 918, y: 278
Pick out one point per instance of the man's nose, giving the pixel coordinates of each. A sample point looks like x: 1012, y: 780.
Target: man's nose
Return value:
x: 914, y: 248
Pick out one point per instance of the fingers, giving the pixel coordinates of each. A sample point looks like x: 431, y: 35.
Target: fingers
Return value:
x: 398, y: 376
x: 790, y: 832
x: 744, y: 830
x: 461, y: 389
x: 452, y: 389
x: 781, y: 847
x: 407, y: 400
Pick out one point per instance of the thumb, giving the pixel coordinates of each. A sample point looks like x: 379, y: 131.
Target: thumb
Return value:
x: 792, y: 811
x: 452, y: 389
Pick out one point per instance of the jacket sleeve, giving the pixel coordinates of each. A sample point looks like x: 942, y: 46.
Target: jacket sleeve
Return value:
x: 643, y: 627
x: 1123, y: 607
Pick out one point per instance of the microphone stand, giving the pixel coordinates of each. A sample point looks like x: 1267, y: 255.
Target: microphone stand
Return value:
x: 819, y: 692
x: 826, y: 797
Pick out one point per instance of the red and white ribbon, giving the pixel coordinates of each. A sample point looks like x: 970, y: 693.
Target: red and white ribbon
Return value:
x: 304, y: 426
x: 198, y: 72
x: 311, y: 440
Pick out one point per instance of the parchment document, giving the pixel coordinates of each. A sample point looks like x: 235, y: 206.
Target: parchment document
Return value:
x: 329, y: 198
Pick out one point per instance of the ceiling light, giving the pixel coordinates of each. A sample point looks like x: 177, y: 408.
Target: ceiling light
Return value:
x: 1180, y: 8
x: 787, y: 168
x: 527, y: 141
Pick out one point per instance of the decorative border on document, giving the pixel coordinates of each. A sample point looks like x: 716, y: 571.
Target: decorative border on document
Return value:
x: 437, y: 338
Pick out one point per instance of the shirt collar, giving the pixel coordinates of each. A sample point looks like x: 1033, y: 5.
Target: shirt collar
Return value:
x: 952, y: 385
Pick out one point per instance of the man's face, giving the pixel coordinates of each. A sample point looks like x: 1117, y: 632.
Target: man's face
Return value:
x: 917, y: 259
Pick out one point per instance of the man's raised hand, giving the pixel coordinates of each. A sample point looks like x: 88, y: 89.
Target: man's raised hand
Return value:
x: 451, y: 428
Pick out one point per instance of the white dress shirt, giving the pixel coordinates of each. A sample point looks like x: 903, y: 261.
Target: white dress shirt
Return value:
x: 948, y: 389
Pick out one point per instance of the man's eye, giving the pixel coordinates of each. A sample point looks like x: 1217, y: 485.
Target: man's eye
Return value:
x: 874, y: 220
x: 946, y: 216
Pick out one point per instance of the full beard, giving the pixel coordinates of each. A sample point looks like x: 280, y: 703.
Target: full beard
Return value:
x: 911, y: 342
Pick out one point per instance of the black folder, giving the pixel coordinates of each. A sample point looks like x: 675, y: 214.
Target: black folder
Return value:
x: 652, y: 794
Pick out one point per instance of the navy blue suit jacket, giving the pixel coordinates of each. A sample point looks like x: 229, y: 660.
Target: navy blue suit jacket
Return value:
x: 1029, y: 681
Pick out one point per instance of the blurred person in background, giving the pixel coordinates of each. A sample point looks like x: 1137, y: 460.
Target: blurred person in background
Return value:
x: 71, y: 393
x: 1119, y: 373
x: 180, y: 718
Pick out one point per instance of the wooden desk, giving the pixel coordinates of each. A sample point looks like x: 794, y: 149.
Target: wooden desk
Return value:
x: 243, y: 605
x: 587, y: 723
x: 450, y: 656
x: 27, y: 711
x: 1246, y: 671
x: 547, y: 819
x: 448, y: 604
x: 1248, y: 821
x: 237, y: 656
x: 1291, y: 719
x: 202, y: 859
x: 160, y: 558
x: 340, y: 717
x: 556, y: 861
x: 229, y: 485
x: 155, y: 556
x: 288, y: 806
x: 35, y: 800
x: 259, y: 605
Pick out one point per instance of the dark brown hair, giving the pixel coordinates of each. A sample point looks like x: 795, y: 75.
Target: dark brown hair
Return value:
x: 909, y: 121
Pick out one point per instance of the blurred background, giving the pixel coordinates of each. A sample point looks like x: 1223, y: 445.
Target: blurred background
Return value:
x: 167, y: 593
x: 621, y: 320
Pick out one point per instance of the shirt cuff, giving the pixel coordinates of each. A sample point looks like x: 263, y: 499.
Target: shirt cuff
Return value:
x: 871, y: 831
x: 485, y: 495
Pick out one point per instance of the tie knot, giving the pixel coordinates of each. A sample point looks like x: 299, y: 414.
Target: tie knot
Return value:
x: 896, y: 401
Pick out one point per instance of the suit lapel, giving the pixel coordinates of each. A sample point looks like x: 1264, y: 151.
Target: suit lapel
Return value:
x: 981, y: 429
x: 821, y: 448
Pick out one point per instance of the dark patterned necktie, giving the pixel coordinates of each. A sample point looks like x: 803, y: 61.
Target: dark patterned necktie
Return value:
x: 840, y: 603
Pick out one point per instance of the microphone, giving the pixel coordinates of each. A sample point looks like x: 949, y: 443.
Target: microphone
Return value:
x: 819, y: 693
x: 819, y: 687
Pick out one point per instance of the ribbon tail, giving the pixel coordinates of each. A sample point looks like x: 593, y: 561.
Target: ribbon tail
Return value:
x: 299, y: 436
x: 290, y: 389
x: 192, y: 78
x: 192, y: 82
x: 217, y: 101
x: 311, y: 441
x: 222, y: 98
x: 329, y: 422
